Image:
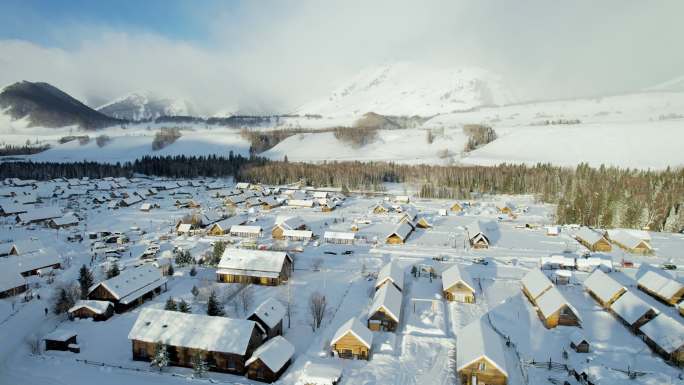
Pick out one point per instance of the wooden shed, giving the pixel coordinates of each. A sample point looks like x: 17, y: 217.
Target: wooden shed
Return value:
x: 399, y: 234
x: 579, y: 343
x: 270, y: 360
x: 555, y: 310
x: 269, y: 315
x: 224, y: 343
x: 254, y: 266
x: 352, y: 341
x: 457, y: 285
x: 480, y: 357
x: 130, y: 288
x: 604, y: 289
x: 665, y: 336
x: 534, y: 284
x: 592, y: 240
x: 633, y: 311
x: 60, y: 340
x: 665, y: 289
x: 97, y: 310
x: 385, y: 311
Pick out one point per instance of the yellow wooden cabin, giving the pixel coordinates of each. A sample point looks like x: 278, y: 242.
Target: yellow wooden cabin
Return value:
x: 352, y: 341
x: 457, y: 285
x: 479, y: 355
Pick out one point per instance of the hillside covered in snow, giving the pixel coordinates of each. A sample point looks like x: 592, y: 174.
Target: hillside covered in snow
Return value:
x: 146, y: 105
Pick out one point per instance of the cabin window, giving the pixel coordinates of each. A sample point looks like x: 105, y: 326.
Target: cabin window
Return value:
x: 231, y: 365
x: 142, y: 352
x: 482, y: 366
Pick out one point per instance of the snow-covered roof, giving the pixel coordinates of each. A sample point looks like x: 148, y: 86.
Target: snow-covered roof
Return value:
x: 184, y: 227
x: 402, y: 230
x: 454, y: 275
x: 665, y: 331
x: 627, y: 239
x: 227, y: 223
x: 10, y: 276
x: 13, y: 208
x: 355, y: 327
x: 60, y: 335
x: 245, y: 229
x: 130, y: 284
x: 33, y: 260
x: 630, y: 307
x: 388, y: 298
x: 478, y: 340
x: 289, y: 222
x: 603, y: 286
x: 298, y: 233
x: 270, y: 312
x: 300, y: 202
x: 209, y: 217
x: 558, y: 260
x: 576, y: 337
x: 339, y: 235
x: 27, y: 245
x: 275, y: 353
x: 327, y: 373
x: 196, y: 331
x: 97, y: 307
x: 476, y: 228
x: 663, y: 286
x: 393, y: 273
x: 536, y: 283
x: 588, y: 235
x: 67, y: 219
x: 145, y: 206
x: 551, y: 301
x: 259, y: 262
x: 40, y: 214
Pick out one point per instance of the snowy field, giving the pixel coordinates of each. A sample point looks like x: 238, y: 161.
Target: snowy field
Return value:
x: 422, y: 349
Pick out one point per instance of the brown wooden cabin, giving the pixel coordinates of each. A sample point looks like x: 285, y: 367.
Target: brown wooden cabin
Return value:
x: 173, y: 327
x: 269, y: 366
x: 269, y: 315
x: 581, y: 347
x: 352, y: 341
x: 96, y: 310
x: 246, y: 266
x: 59, y: 340
x: 554, y: 310
x: 130, y: 288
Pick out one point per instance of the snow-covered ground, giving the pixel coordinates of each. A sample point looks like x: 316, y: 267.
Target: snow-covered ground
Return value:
x: 420, y: 352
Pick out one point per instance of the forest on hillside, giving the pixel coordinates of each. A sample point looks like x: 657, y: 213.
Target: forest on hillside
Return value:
x: 599, y: 197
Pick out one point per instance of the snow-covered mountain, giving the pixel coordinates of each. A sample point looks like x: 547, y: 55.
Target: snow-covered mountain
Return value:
x: 146, y: 105
x: 672, y: 85
x: 412, y: 89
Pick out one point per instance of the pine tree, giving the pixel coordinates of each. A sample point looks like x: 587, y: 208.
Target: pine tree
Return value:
x: 199, y: 366
x: 214, y: 308
x: 85, y: 281
x: 171, y: 270
x: 194, y: 291
x: 161, y: 356
x: 113, y: 271
x: 219, y: 248
x: 170, y: 304
x: 183, y: 306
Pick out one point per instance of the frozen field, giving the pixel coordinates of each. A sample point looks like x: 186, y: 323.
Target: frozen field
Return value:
x: 422, y: 349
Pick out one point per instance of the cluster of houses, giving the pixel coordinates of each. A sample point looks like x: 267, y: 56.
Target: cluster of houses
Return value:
x: 659, y: 331
x: 635, y: 242
x: 21, y: 260
x: 408, y: 219
x: 552, y: 307
x: 248, y: 196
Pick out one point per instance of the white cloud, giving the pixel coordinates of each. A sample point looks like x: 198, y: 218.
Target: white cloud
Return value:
x: 275, y: 56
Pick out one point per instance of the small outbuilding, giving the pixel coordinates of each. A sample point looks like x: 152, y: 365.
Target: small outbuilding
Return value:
x: 457, y: 285
x: 604, y: 289
x: 352, y: 341
x: 555, y: 310
x: 578, y: 342
x: 97, y: 310
x: 60, y: 340
x: 270, y: 360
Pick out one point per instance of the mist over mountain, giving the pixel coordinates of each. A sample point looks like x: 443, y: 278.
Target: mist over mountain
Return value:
x: 146, y: 105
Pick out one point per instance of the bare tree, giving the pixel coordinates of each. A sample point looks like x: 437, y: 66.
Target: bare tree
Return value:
x: 245, y: 297
x: 33, y: 342
x: 317, y: 306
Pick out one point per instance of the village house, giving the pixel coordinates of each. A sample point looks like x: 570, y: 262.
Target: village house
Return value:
x: 633, y: 311
x: 352, y: 341
x: 557, y: 261
x: 35, y: 262
x: 67, y: 220
x: 254, y: 266
x: 222, y: 227
x: 305, y: 203
x: 604, y: 289
x: 268, y: 203
x: 298, y: 235
x: 224, y: 343
x: 665, y: 336
x: 60, y: 339
x: 269, y: 315
x: 382, y: 208
x: 391, y: 273
x: 385, y: 311
x: 97, y: 310
x: 287, y: 223
x: 399, y: 234
x: 592, y: 240
x: 183, y: 228
x: 629, y: 242
x: 130, y: 288
x: 270, y: 360
x: 555, y: 310
x: 456, y: 207
x: 457, y: 285
x: 340, y: 238
x: 477, y: 236
x: 578, y: 342
x: 39, y: 215
x: 480, y: 357
x: 10, y: 208
x: 534, y: 284
x: 245, y: 231
x: 665, y: 289
x: 11, y: 280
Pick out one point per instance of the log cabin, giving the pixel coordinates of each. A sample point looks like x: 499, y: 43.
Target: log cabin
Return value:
x: 260, y: 267
x: 456, y: 207
x: 270, y: 360
x: 633, y: 311
x: 592, y: 240
x: 130, y: 288
x: 391, y: 273
x: 555, y: 310
x: 269, y: 315
x: 399, y: 234
x: 477, y: 236
x: 578, y: 342
x: 222, y: 227
x: 352, y: 341
x: 664, y: 289
x: 96, y: 310
x: 534, y: 284
x: 60, y: 340
x: 224, y: 343
x: 385, y: 311
x: 604, y: 289
x: 287, y: 223
x: 244, y: 231
x: 457, y: 285
x: 630, y: 243
x: 665, y: 336
x: 479, y: 355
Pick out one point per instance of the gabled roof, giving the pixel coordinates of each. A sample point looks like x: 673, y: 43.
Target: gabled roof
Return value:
x: 388, y: 298
x: 245, y: 261
x: 402, y: 231
x: 130, y: 284
x: 536, y: 283
x: 289, y: 223
x: 184, y: 227
x: 207, y: 333
x: 576, y: 337
x: 245, y: 229
x: 67, y: 219
x: 40, y: 214
x: 627, y: 239
x: 270, y: 312
x: 630, y: 308
x: 478, y: 340
x: 10, y: 276
x: 663, y: 286
x: 454, y: 275
x: 275, y: 353
x: 355, y: 327
x: 393, y: 273
x: 97, y: 307
x: 552, y: 301
x: 603, y: 286
x: 339, y: 235
x: 588, y: 235
x: 665, y: 331
x: 227, y: 223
